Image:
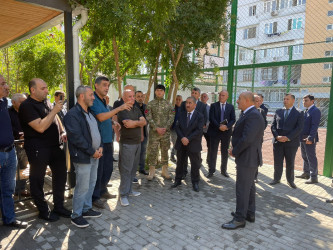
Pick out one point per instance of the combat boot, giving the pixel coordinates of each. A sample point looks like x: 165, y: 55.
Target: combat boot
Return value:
x: 151, y: 173
x: 165, y: 173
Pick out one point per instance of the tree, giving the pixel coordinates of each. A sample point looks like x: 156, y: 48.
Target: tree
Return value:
x: 196, y: 23
x: 41, y: 56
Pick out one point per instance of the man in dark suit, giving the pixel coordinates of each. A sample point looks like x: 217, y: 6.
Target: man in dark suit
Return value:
x: 262, y: 105
x: 286, y: 128
x: 201, y: 108
x: 257, y: 102
x: 309, y: 139
x: 222, y: 118
x: 189, y: 135
x: 246, y: 148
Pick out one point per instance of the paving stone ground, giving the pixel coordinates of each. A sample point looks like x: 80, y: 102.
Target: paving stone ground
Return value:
x: 164, y: 218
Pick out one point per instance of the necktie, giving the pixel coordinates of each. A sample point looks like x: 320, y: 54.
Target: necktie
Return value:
x: 222, y: 113
x: 188, y: 118
x: 286, y: 114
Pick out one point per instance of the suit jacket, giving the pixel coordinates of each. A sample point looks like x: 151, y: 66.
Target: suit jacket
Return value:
x: 215, y: 118
x: 264, y: 115
x: 311, y: 124
x: 201, y: 108
x: 291, y: 127
x: 246, y: 139
x: 193, y: 132
x: 262, y: 106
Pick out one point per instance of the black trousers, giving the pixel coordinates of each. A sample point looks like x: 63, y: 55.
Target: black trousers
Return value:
x: 39, y: 159
x: 207, y: 137
x: 281, y: 152
x: 195, y: 160
x: 214, y: 145
x: 245, y: 192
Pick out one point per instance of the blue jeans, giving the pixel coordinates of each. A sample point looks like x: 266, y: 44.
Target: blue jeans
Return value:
x: 86, y: 175
x: 104, y: 172
x: 7, y: 185
x: 142, y: 162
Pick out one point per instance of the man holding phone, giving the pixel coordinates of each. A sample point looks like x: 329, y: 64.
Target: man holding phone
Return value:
x: 59, y: 95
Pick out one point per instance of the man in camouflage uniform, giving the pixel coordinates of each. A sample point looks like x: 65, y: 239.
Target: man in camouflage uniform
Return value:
x: 160, y: 115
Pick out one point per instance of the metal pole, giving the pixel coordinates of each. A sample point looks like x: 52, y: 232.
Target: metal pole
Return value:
x: 253, y: 70
x: 289, y: 67
x: 232, y: 45
x: 236, y: 74
x: 216, y: 77
x: 328, y: 160
x: 69, y: 58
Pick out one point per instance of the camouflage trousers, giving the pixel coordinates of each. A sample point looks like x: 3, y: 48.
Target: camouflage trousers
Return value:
x: 155, y: 143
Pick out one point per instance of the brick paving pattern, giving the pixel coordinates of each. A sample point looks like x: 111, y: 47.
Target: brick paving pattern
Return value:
x: 180, y: 218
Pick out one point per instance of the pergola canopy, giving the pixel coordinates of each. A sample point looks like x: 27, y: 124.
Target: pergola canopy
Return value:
x: 20, y: 20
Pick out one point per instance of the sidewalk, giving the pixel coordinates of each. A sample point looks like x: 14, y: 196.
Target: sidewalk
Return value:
x: 180, y: 218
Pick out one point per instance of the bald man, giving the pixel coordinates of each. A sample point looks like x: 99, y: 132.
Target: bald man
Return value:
x: 246, y: 148
x: 131, y: 136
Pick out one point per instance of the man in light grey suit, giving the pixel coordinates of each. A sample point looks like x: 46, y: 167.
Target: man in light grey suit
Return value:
x: 246, y: 148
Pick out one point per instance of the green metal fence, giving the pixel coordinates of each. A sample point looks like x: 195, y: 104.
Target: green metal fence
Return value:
x: 276, y: 47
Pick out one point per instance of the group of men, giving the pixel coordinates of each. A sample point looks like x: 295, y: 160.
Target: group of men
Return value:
x: 89, y: 126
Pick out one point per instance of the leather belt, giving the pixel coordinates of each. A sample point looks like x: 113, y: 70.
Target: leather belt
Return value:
x: 7, y: 149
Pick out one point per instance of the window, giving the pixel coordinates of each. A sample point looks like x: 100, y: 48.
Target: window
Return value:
x: 271, y: 28
x: 297, y: 49
x: 247, y: 75
x: 284, y: 4
x: 330, y: 1
x: 295, y: 24
x: 253, y: 10
x: 270, y: 6
x: 329, y: 39
x: 213, y: 45
x: 298, y: 2
x: 327, y: 65
x: 327, y: 79
x: 329, y: 53
x: 329, y: 27
x: 250, y: 33
x: 330, y: 13
x: 269, y: 73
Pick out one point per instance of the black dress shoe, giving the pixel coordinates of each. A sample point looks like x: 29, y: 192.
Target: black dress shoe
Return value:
x: 329, y: 200
x: 312, y: 181
x: 17, y: 224
x: 63, y: 212
x: 274, y: 182
x: 303, y: 176
x: 196, y: 187
x: 50, y: 216
x: 210, y: 175
x: 292, y: 185
x: 231, y: 225
x: 249, y: 218
x: 173, y: 159
x: 225, y: 174
x: 143, y: 172
x: 176, y: 184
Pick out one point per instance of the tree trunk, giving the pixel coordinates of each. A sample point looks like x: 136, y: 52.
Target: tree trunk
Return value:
x: 151, y: 78
x: 6, y: 55
x: 175, y: 83
x: 116, y: 58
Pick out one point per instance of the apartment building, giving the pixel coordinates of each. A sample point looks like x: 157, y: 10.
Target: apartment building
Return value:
x: 269, y: 31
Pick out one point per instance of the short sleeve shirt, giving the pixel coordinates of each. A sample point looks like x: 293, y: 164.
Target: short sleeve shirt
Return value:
x: 31, y: 110
x: 105, y: 127
x: 6, y: 132
x: 130, y: 135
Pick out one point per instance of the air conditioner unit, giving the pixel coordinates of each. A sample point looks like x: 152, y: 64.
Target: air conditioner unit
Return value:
x: 274, y: 13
